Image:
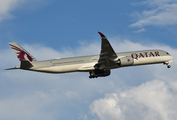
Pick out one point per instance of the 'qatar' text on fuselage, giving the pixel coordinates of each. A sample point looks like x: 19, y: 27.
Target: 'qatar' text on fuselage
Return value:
x: 145, y: 54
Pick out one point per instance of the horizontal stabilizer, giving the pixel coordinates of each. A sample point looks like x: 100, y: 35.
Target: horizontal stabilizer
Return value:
x: 17, y: 67
x: 25, y: 64
x: 11, y: 68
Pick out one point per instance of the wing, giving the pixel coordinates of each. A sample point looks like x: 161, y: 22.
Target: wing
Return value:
x: 107, y: 55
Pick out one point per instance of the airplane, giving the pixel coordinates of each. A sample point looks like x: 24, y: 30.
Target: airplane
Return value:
x: 97, y: 65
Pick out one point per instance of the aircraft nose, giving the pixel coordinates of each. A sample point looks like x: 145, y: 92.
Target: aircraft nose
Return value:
x: 171, y: 59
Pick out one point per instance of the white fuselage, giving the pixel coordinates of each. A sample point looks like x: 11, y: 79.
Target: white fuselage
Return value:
x: 87, y: 63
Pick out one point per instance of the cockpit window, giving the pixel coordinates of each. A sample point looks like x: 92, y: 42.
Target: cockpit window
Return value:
x: 167, y: 53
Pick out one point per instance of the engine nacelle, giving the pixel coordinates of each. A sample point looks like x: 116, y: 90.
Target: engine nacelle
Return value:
x: 126, y: 61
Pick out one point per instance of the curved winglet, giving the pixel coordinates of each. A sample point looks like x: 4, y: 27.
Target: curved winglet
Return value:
x: 101, y: 34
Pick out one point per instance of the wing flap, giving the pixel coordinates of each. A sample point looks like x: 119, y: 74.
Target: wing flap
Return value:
x: 87, y: 67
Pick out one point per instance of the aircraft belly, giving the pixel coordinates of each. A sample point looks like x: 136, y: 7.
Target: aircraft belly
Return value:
x: 71, y: 68
x: 87, y: 67
x: 55, y: 69
x: 59, y: 69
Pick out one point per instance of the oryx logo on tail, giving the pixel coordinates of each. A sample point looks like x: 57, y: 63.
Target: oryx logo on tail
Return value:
x: 21, y: 53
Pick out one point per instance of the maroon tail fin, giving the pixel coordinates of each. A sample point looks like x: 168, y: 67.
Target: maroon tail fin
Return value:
x: 21, y: 53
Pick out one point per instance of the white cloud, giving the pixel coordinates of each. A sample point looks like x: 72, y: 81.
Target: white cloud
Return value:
x: 139, y: 31
x: 151, y: 100
x: 71, y: 94
x: 22, y: 108
x: 83, y: 117
x: 107, y: 108
x: 161, y: 13
x: 7, y: 6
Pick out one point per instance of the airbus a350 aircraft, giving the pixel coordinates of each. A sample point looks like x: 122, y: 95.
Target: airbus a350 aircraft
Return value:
x: 97, y: 65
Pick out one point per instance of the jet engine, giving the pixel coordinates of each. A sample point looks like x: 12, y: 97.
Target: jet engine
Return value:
x: 125, y: 61
x: 99, y: 73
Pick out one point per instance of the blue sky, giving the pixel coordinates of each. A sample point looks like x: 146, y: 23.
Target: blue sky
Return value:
x: 63, y: 23
x: 62, y: 28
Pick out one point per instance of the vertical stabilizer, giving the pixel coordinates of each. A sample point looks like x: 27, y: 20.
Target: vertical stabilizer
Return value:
x: 21, y: 53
